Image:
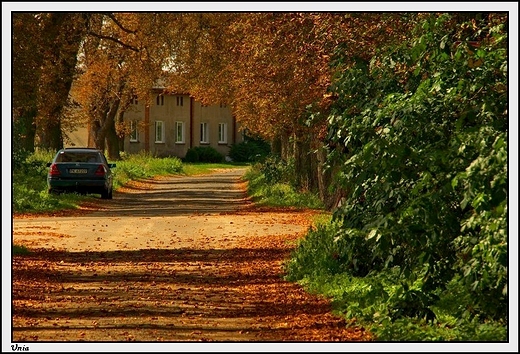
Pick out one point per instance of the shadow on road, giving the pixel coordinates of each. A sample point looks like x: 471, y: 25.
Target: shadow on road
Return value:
x: 179, y: 195
x: 184, y: 288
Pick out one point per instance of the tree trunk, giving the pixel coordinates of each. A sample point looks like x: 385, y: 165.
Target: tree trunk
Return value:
x: 121, y: 135
x: 51, y: 137
x: 97, y: 135
x: 324, y: 178
x: 112, y: 144
x: 65, y: 31
x: 103, y: 130
x: 110, y: 128
x: 313, y: 171
x: 285, y: 148
x: 276, y: 146
x: 27, y: 61
x: 302, y: 163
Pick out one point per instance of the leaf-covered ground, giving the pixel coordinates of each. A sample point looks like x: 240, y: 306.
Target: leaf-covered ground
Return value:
x: 217, y: 288
x: 169, y: 295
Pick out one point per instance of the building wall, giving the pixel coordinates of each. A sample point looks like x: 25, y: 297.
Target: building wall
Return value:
x: 213, y: 116
x: 170, y: 109
x: 77, y: 138
x: 135, y: 112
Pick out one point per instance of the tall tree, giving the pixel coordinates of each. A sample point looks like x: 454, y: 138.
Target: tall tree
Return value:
x: 62, y: 37
x: 124, y: 55
x: 274, y: 71
x: 26, y: 70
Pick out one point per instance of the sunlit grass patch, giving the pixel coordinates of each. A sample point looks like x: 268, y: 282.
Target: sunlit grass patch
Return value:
x: 279, y: 194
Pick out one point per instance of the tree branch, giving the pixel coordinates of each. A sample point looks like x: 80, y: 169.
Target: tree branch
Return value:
x: 114, y: 40
x: 113, y: 18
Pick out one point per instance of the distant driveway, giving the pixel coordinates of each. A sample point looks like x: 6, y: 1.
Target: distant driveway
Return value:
x: 165, y: 212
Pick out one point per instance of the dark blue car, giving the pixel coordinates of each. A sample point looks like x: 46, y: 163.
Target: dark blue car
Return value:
x: 81, y: 170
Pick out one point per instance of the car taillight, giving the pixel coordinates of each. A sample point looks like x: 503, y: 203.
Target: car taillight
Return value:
x: 100, y: 171
x: 54, y: 170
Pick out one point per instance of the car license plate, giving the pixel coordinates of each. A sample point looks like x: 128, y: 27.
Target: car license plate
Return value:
x: 78, y: 170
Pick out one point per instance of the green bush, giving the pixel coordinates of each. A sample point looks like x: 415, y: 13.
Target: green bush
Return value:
x: 391, y: 306
x: 203, y: 154
x: 425, y: 163
x: 250, y: 150
x: 418, y: 248
x: 273, y: 191
x: 192, y: 155
x: 315, y: 255
x: 277, y: 170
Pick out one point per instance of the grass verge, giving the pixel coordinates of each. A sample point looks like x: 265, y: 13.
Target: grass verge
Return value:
x: 377, y: 300
x: 278, y: 194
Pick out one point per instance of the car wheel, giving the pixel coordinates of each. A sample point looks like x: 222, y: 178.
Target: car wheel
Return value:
x: 110, y: 194
x: 105, y: 194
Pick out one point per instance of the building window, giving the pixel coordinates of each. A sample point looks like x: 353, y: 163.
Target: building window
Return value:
x: 180, y: 101
x: 133, y: 100
x: 160, y: 100
x: 159, y: 131
x: 204, y: 137
x: 179, y: 132
x: 134, y: 132
x: 222, y: 133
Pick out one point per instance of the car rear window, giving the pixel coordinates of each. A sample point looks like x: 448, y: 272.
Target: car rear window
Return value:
x: 78, y: 157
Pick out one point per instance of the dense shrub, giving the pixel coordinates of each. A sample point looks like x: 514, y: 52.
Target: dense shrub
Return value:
x: 276, y: 170
x: 203, y: 154
x: 420, y: 135
x: 250, y: 150
x: 275, y: 191
x: 426, y: 167
x: 192, y: 155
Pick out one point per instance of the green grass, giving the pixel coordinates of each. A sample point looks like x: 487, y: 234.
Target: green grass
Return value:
x: 143, y: 165
x: 280, y: 194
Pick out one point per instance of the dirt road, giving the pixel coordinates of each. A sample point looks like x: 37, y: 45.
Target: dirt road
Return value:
x: 175, y: 259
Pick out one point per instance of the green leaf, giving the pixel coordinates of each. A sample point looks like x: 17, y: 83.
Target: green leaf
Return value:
x: 499, y: 143
x: 478, y: 200
x: 372, y: 234
x: 454, y: 182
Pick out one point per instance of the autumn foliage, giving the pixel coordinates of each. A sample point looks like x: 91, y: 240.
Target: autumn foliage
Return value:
x: 399, y: 121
